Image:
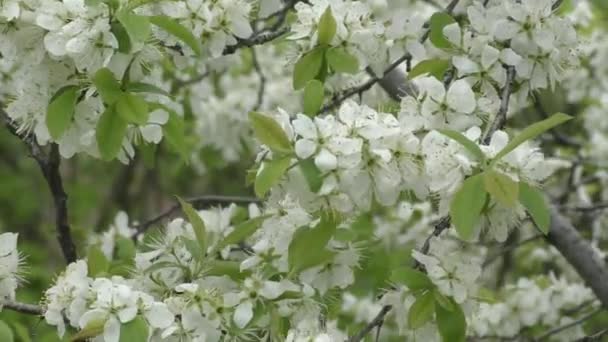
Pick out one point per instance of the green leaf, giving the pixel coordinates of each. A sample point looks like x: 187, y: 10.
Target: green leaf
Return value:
x: 22, y: 333
x: 435, y: 67
x: 228, y: 268
x: 198, y: 225
x: 137, y: 26
x: 242, y: 231
x: 442, y: 300
x: 341, y: 61
x: 176, y: 29
x: 413, y: 279
x: 532, y: 132
x: 134, y: 331
x: 313, y: 97
x: 534, y: 202
x: 110, y: 132
x: 142, y: 87
x: 92, y: 329
x: 440, y: 20
x: 311, y: 172
x: 270, y: 133
x: 306, y: 240
x: 307, y: 68
x: 452, y: 324
x: 122, y: 36
x: 125, y: 249
x: 466, y: 206
x: 470, y: 145
x: 501, y: 187
x: 326, y: 29
x: 60, y: 111
x: 133, y: 109
x: 107, y: 86
x: 270, y: 174
x: 6, y: 333
x: 421, y: 311
x: 97, y: 263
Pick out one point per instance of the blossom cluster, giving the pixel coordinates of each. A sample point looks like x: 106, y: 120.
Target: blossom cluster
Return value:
x: 531, y: 302
x: 11, y: 266
x: 361, y: 151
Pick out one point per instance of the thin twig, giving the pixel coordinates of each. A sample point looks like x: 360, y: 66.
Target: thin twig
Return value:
x: 510, y: 248
x: 595, y: 337
x: 501, y: 116
x: 262, y: 87
x: 30, y: 309
x: 595, y: 207
x: 49, y: 165
x: 568, y: 326
x: 184, y: 83
x: 376, y: 322
x: 281, y: 15
x: 375, y: 78
x: 198, y: 203
x: 257, y: 39
x: 443, y: 224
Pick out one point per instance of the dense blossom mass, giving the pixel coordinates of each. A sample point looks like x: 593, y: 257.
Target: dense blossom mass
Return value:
x: 373, y: 208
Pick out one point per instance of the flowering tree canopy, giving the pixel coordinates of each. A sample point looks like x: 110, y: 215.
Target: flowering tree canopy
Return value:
x: 284, y: 170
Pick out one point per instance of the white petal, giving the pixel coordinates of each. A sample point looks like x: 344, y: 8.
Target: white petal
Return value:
x: 326, y: 161
x: 305, y: 127
x: 243, y: 314
x: 241, y: 28
x: 432, y: 87
x: 159, y: 316
x: 152, y: 133
x: 8, y: 243
x: 464, y: 65
x: 489, y: 56
x: 55, y: 44
x: 505, y: 29
x: 111, y: 331
x: 453, y: 33
x: 544, y: 38
x: 272, y: 289
x: 509, y: 57
x: 461, y: 97
x: 127, y: 314
x: 305, y: 148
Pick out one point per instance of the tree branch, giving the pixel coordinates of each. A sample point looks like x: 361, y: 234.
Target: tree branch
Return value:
x: 580, y: 255
x: 559, y: 329
x: 30, y: 309
x: 49, y: 165
x: 198, y: 203
x: 376, y: 322
x: 394, y: 83
x: 501, y: 116
x: 256, y: 39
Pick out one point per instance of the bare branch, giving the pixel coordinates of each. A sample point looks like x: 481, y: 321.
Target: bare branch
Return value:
x: 376, y: 322
x: 387, y: 80
x: 198, y: 203
x: 256, y: 39
x: 262, y: 86
x: 595, y: 337
x: 501, y: 116
x: 510, y: 248
x: 49, y: 165
x: 580, y: 255
x: 30, y: 309
x: 559, y: 329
